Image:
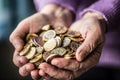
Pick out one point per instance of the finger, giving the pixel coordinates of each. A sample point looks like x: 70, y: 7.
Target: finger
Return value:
x: 35, y: 74
x: 56, y: 72
x: 69, y: 64
x: 17, y: 36
x: 19, y: 60
x: 41, y: 73
x: 92, y: 59
x: 26, y: 69
x: 74, y: 65
x: 90, y: 43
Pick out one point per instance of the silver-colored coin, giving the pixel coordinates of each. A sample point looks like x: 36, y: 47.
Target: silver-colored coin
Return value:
x: 66, y: 42
x: 48, y: 35
x: 58, y: 40
x: 50, y: 57
x: 39, y: 49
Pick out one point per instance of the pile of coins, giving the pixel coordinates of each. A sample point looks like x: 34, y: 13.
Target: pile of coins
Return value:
x: 51, y: 43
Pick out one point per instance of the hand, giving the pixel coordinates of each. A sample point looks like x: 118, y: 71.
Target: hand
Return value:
x: 92, y: 27
x: 50, y: 14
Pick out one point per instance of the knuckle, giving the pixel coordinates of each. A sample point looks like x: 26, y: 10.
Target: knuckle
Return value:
x: 70, y: 76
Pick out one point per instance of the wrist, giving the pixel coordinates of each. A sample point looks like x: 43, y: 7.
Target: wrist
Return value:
x: 57, y: 13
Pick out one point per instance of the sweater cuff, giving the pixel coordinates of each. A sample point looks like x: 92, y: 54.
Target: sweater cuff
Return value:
x: 81, y: 14
x: 69, y: 4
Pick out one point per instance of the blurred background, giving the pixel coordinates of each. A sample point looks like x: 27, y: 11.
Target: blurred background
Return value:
x: 11, y: 13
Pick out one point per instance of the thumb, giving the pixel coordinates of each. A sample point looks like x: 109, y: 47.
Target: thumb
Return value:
x: 86, y: 47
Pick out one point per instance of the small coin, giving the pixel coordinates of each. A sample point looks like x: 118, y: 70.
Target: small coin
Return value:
x: 67, y: 56
x: 50, y: 44
x: 46, y: 54
x: 36, y: 58
x: 39, y: 49
x: 50, y: 57
x: 25, y: 49
x: 31, y: 53
x: 71, y: 33
x: 58, y: 41
x: 78, y: 39
x: 41, y: 34
x: 60, y: 29
x: 48, y: 35
x: 29, y: 36
x: 74, y: 46
x: 66, y: 42
x: 37, y: 41
x: 46, y: 27
x: 60, y: 51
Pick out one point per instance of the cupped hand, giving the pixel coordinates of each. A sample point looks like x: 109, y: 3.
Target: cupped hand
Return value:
x: 31, y: 24
x: 92, y: 28
x: 50, y: 14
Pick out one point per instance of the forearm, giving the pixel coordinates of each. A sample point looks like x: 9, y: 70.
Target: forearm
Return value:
x: 109, y: 9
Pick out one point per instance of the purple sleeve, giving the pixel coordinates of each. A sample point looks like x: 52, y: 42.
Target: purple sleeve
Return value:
x: 69, y: 4
x: 110, y: 9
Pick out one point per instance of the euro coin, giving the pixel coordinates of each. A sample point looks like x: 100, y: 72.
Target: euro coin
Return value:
x: 46, y: 27
x: 60, y: 29
x: 66, y: 42
x: 31, y: 53
x: 50, y: 44
x: 60, y: 51
x: 36, y: 58
x: 48, y: 35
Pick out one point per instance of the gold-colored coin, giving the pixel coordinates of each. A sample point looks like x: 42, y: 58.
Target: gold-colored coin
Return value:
x: 25, y: 49
x: 78, y: 39
x: 60, y: 51
x: 50, y: 44
x: 67, y: 56
x: 29, y: 36
x: 36, y: 58
x: 46, y: 27
x: 60, y: 29
x: 31, y: 53
x: 66, y: 42
x: 48, y: 35
x: 71, y: 33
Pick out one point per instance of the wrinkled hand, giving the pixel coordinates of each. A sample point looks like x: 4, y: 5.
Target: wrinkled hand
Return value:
x: 50, y: 14
x: 92, y: 28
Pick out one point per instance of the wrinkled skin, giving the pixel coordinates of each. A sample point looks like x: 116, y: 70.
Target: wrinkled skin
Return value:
x: 87, y: 55
x: 50, y: 14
